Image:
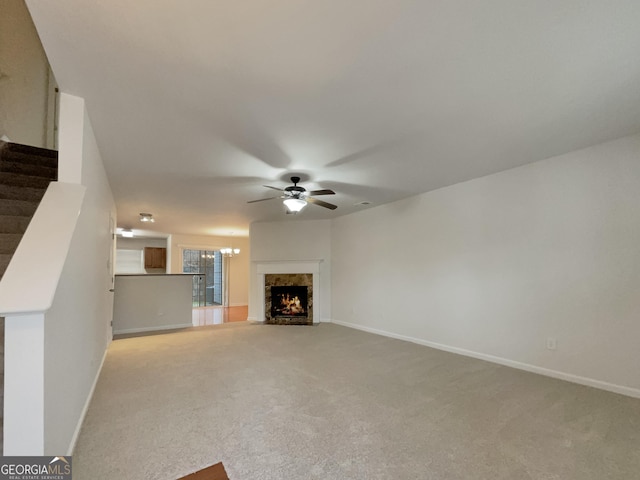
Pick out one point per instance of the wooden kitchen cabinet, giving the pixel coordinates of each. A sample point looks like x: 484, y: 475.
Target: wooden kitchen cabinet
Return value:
x: 155, y: 257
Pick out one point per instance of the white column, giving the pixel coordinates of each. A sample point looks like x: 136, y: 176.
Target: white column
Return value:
x: 24, y: 385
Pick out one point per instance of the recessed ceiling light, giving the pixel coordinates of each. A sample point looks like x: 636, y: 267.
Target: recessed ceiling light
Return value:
x: 146, y: 217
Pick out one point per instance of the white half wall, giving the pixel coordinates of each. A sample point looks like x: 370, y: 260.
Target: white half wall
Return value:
x: 145, y: 303
x: 77, y: 327
x: 497, y: 266
x: 274, y: 242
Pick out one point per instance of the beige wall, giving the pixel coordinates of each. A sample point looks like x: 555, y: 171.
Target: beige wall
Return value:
x: 239, y: 269
x: 26, y: 84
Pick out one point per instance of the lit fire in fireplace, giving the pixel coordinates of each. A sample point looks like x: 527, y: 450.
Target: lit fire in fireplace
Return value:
x: 289, y: 301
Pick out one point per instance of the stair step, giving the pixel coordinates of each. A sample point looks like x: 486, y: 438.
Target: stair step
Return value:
x: 9, y: 242
x: 21, y: 180
x: 9, y: 192
x: 50, y: 173
x: 28, y: 154
x: 28, y: 159
x: 13, y: 223
x: 17, y: 207
x: 29, y: 149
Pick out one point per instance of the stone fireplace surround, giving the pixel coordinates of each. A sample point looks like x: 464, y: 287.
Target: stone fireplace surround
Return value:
x: 272, y: 280
x: 311, y: 267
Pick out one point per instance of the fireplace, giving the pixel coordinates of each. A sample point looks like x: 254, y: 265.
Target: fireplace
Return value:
x: 289, y: 301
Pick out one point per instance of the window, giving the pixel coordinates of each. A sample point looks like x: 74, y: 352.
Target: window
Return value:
x: 206, y: 267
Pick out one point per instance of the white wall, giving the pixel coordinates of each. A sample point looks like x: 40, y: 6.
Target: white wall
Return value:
x: 24, y: 79
x: 494, y: 266
x: 129, y: 261
x: 77, y: 327
x: 239, y: 264
x: 291, y: 241
x: 138, y: 243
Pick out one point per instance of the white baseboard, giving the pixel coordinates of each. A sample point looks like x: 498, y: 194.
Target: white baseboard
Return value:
x: 76, y: 433
x: 589, y: 382
x: 152, y: 329
x: 252, y: 319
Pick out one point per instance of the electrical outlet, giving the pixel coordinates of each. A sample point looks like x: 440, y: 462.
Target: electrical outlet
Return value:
x: 552, y: 343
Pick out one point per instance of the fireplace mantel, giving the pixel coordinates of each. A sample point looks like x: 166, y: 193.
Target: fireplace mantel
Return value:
x: 293, y: 266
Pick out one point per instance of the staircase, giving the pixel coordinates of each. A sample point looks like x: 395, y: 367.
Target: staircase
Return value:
x: 25, y: 173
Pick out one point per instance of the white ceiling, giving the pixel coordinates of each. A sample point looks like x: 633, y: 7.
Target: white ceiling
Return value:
x: 197, y: 104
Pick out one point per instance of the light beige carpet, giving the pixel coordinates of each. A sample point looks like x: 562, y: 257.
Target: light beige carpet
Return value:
x: 332, y: 403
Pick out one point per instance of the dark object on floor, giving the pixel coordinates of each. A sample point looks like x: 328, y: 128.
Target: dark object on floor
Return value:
x: 214, y: 472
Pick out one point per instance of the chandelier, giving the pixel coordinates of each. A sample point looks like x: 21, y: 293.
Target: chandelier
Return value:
x: 230, y: 251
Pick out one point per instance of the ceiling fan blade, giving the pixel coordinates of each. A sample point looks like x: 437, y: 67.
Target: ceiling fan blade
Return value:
x: 262, y: 199
x: 326, y: 191
x: 274, y: 188
x: 315, y: 201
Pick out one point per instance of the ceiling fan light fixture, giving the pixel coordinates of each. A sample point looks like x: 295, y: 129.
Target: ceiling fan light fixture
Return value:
x: 296, y: 197
x: 295, y: 204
